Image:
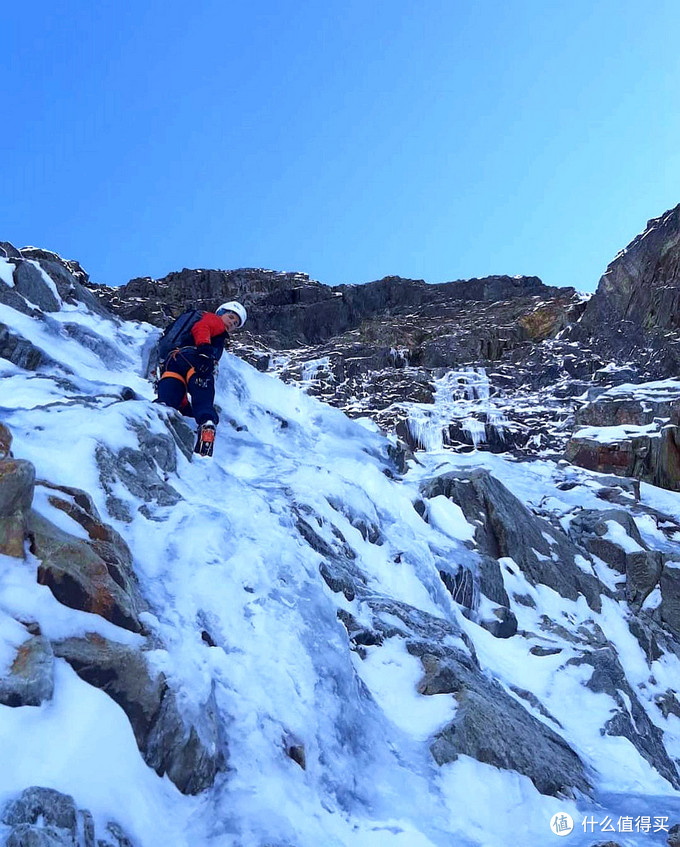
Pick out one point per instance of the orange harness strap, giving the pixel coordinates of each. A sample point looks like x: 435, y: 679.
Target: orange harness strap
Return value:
x: 185, y: 380
x: 175, y: 376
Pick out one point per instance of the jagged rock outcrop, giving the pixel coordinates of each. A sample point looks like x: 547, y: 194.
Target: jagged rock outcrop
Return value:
x: 653, y: 458
x: 630, y: 432
x: 378, y: 346
x: 289, y: 309
x: 94, y: 575
x: 41, y: 279
x: 630, y: 719
x: 637, y: 303
x: 624, y: 550
x: 489, y: 725
x: 505, y: 528
x: 494, y: 728
x: 144, y: 471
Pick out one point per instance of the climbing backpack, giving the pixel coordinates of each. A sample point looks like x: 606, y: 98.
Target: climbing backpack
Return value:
x: 178, y: 334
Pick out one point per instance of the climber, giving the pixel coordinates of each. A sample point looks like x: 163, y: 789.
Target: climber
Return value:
x: 187, y: 353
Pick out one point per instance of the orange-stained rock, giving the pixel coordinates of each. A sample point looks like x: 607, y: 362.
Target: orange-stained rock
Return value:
x: 5, y: 441
x: 17, y: 482
x: 81, y: 578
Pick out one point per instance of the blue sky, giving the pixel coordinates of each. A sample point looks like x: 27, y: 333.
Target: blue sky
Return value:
x: 349, y: 139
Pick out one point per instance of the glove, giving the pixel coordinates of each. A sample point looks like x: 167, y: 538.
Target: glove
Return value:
x: 205, y: 361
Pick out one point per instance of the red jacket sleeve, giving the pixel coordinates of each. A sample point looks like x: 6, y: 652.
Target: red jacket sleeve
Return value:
x: 206, y: 328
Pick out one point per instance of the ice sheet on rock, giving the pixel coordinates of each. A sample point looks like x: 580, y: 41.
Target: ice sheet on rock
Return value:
x: 463, y: 397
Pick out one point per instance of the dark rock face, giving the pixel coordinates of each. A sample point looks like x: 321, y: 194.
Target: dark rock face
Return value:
x: 289, y: 309
x: 375, y: 346
x: 635, y: 311
x: 641, y: 285
x: 20, y: 351
x: 29, y: 282
x: 490, y: 725
x: 36, y: 274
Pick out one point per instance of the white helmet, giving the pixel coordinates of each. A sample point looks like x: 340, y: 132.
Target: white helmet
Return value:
x: 236, y: 308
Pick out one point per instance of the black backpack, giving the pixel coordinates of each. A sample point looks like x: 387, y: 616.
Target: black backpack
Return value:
x: 178, y: 334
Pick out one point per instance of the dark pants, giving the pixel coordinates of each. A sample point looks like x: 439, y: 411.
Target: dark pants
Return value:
x: 179, y: 381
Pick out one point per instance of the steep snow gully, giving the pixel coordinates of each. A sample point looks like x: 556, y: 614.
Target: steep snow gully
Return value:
x: 329, y: 628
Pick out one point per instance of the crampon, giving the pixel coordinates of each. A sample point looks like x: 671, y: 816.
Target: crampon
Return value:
x: 205, y: 440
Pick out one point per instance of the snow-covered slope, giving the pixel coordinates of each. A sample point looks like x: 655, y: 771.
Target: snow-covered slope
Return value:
x: 293, y: 588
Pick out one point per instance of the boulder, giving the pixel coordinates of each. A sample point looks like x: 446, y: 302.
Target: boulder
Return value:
x: 502, y: 623
x: 589, y: 528
x: 189, y: 749
x: 30, y: 680
x: 108, y: 544
x: 43, y: 817
x: 44, y: 805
